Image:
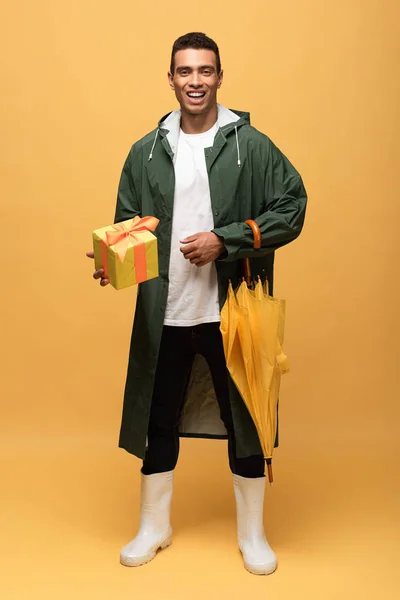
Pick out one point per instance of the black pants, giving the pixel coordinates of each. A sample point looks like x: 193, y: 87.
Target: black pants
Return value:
x: 179, y: 346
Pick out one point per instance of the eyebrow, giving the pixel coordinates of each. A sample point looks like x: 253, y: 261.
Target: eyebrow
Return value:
x: 187, y: 68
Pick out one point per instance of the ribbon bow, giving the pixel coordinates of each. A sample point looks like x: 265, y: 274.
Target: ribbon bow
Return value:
x: 122, y: 235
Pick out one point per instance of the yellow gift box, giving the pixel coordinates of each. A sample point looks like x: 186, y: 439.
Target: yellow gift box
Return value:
x: 127, y: 251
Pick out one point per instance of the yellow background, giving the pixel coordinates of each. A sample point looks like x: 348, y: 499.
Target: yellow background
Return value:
x: 81, y: 81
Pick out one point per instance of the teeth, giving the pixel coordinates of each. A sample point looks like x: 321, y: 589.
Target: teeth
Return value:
x: 196, y: 94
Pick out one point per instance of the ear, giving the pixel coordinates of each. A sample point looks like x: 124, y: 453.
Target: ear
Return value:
x: 220, y: 79
x: 171, y: 81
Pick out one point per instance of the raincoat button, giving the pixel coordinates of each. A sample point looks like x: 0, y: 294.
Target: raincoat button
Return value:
x: 216, y: 213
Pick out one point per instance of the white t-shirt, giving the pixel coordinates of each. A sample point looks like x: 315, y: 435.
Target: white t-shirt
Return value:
x: 193, y: 291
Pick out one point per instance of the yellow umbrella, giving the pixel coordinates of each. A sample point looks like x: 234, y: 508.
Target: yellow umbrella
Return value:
x: 252, y: 327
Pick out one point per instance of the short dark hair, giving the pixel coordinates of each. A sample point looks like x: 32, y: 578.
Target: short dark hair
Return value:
x: 197, y: 41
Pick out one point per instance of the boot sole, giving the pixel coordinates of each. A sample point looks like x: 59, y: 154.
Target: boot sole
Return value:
x: 259, y: 570
x: 126, y: 561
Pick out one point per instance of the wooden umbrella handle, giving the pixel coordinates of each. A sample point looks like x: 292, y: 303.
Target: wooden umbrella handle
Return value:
x: 256, y: 232
x: 257, y: 244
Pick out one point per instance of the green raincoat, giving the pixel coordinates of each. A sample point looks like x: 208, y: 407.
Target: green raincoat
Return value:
x: 249, y: 179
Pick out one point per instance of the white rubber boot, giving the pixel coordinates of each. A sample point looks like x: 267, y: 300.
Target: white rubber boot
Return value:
x: 155, y: 531
x: 258, y: 557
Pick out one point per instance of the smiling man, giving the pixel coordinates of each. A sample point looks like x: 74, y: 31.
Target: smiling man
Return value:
x: 202, y: 172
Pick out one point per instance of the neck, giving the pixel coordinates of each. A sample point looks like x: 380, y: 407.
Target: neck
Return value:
x: 199, y: 123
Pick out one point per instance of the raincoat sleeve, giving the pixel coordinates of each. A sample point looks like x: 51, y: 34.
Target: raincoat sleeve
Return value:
x: 283, y: 213
x: 128, y: 205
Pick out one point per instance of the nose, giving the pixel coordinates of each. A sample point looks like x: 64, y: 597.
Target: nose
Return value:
x: 195, y: 80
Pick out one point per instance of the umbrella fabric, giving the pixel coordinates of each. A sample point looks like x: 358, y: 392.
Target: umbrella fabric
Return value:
x: 252, y: 327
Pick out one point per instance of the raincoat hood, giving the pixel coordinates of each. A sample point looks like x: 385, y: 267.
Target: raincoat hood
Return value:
x: 228, y: 121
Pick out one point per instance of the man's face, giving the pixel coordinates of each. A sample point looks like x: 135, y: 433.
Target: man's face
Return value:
x: 195, y: 80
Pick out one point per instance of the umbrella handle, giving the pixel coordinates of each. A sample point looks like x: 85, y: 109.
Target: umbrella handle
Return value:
x: 257, y: 244
x: 256, y: 232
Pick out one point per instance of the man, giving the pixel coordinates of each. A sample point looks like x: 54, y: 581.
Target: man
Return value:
x: 202, y: 172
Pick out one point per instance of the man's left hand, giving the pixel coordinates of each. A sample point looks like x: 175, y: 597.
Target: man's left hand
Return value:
x: 202, y: 248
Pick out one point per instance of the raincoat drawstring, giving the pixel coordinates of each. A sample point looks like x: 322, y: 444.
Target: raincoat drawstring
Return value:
x: 238, y: 149
x: 152, y: 148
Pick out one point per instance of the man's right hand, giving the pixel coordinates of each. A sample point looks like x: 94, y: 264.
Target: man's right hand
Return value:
x: 99, y: 274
